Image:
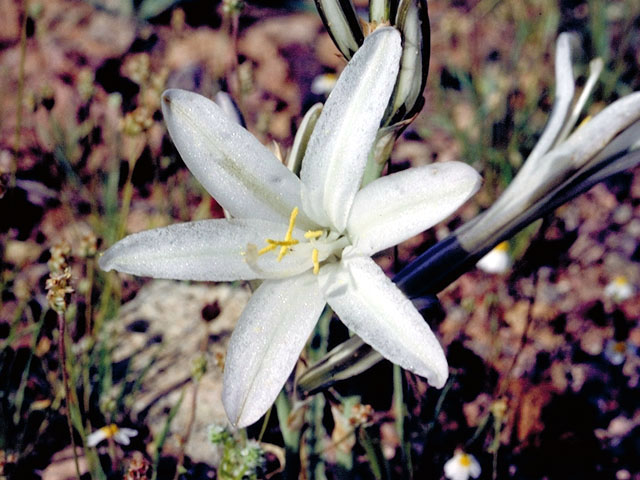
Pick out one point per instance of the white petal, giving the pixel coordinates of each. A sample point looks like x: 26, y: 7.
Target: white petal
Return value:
x: 374, y: 308
x: 237, y: 170
x: 298, y: 260
x: 266, y: 343
x: 394, y: 208
x: 122, y: 438
x: 474, y: 468
x: 565, y: 89
x: 454, y: 471
x: 204, y: 250
x: 342, y: 138
x: 538, y: 167
x: 94, y: 438
x: 589, y: 139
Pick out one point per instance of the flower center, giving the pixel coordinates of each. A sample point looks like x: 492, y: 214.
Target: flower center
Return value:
x: 323, y: 244
x: 110, y: 430
x: 620, y: 347
x: 465, y: 460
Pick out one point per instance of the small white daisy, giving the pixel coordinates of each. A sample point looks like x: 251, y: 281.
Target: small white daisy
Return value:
x: 619, y: 289
x: 462, y: 466
x: 323, y: 84
x: 616, y: 351
x: 497, y: 260
x: 120, y: 435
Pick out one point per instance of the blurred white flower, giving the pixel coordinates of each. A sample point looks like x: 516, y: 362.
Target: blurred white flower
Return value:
x: 462, y: 466
x: 120, y: 435
x: 497, y: 260
x: 316, y: 233
x: 619, y: 289
x: 324, y: 83
x: 616, y: 351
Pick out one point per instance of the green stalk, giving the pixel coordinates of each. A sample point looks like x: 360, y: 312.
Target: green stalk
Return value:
x: 67, y: 389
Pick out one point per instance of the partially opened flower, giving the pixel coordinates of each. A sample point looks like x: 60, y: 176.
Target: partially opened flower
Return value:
x: 565, y: 158
x: 309, y: 238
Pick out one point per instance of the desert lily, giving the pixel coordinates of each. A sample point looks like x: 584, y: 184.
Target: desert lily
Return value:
x: 309, y: 239
x: 565, y: 162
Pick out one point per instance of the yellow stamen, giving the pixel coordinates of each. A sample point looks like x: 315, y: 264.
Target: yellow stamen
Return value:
x: 314, y: 259
x: 313, y: 234
x: 292, y: 221
x: 465, y: 460
x: 268, y: 248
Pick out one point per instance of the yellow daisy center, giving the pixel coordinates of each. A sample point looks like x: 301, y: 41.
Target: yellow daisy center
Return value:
x: 110, y: 430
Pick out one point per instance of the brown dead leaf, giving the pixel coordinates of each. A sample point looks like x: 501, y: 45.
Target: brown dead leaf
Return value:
x: 10, y: 31
x: 517, y: 317
x: 532, y: 399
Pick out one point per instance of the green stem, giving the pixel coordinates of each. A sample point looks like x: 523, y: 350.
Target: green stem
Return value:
x: 67, y: 389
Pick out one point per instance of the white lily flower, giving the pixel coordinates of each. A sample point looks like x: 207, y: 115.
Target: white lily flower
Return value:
x: 310, y: 238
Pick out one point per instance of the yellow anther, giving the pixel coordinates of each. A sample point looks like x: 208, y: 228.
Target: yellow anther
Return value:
x: 282, y: 243
x: 465, y: 460
x: 268, y: 248
x: 287, y: 238
x: 313, y: 234
x: 314, y: 259
x: 292, y: 222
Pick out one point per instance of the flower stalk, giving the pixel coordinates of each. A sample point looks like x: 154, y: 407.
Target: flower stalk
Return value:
x: 59, y: 289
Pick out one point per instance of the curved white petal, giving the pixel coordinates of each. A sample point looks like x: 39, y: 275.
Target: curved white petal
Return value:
x: 592, y: 137
x: 565, y: 90
x: 374, y: 308
x: 94, y: 438
x: 538, y: 166
x: 394, y: 208
x: 205, y: 250
x: 237, y: 170
x: 342, y: 138
x: 266, y: 343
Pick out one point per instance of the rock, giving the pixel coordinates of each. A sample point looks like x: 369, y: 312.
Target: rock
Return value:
x: 163, y: 329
